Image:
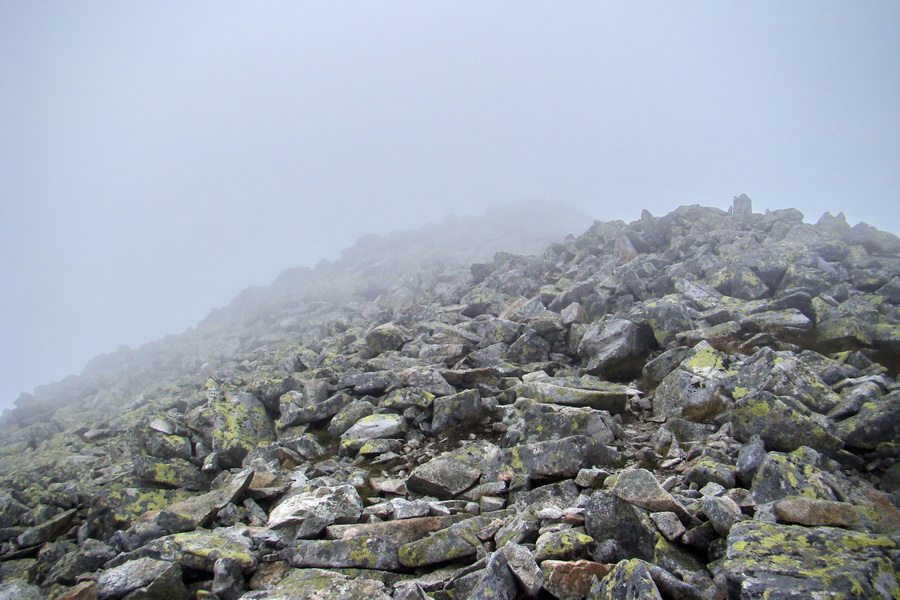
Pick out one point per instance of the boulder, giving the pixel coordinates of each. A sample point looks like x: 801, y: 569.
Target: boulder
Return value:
x: 298, y: 408
x: 529, y: 421
x: 19, y: 590
x: 321, y: 584
x: 621, y: 529
x: 453, y: 472
x: 693, y: 390
x: 524, y: 568
x: 628, y: 580
x: 640, y: 487
x: 496, y: 582
x: 90, y: 556
x: 172, y: 473
x: 795, y: 474
x: 530, y: 347
x: 556, y: 459
x: 615, y: 348
x: 238, y: 423
x: 306, y: 514
x: 228, y: 580
x: 201, y: 549
x: 606, y: 396
x: 572, y: 580
x: 384, y: 338
x: 814, y: 512
x: 47, y: 531
x: 457, y: 411
x: 151, y: 578
x: 567, y: 544
x: 359, y: 552
x: 777, y: 562
x: 876, y: 422
x: 455, y: 542
x: 666, y: 317
x: 348, y: 415
x: 782, y: 423
x: 375, y: 426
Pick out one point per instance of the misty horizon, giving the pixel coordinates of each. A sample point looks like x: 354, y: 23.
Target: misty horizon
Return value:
x: 158, y: 159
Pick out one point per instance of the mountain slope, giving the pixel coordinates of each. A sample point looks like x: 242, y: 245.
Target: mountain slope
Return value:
x: 696, y: 405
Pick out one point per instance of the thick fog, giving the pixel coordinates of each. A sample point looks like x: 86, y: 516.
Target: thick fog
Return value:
x: 158, y: 157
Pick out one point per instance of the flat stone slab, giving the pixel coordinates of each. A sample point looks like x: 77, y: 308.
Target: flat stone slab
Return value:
x: 612, y: 398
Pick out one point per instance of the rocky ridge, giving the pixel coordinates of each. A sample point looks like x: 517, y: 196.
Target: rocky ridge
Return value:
x: 700, y: 405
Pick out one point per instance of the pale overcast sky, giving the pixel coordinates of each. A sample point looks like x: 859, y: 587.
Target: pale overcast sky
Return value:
x: 158, y: 157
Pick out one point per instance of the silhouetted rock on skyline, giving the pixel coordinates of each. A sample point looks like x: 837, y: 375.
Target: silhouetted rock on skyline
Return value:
x: 672, y: 405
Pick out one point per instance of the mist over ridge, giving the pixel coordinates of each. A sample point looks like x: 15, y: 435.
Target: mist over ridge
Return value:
x: 454, y: 242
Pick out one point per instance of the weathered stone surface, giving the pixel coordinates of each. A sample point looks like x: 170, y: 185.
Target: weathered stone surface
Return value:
x: 722, y: 512
x: 497, y: 582
x: 766, y: 560
x: 455, y: 471
x: 353, y: 552
x: 556, y: 459
x: 530, y: 421
x: 784, y: 375
x: 877, y: 422
x: 530, y: 347
x: 384, y: 338
x: 47, y: 531
x: 86, y: 590
x: 795, y: 474
x: 172, y: 473
x: 621, y: 529
x: 668, y: 524
x: 640, y: 487
x: 19, y: 590
x: 783, y: 423
x: 666, y: 317
x: 403, y: 531
x: 749, y: 459
x: 311, y: 405
x: 460, y: 410
x: 228, y: 580
x: 615, y: 348
x: 693, y: 390
x: 157, y: 579
x: 308, y: 513
x: 427, y: 380
x: 572, y: 580
x: 200, y: 510
x: 377, y: 426
x: 90, y: 556
x: 238, y: 423
x: 201, y: 549
x: 457, y: 541
x: 568, y: 544
x: 810, y: 511
x: 443, y: 477
x: 710, y: 467
x: 601, y: 396
x: 656, y: 370
x: 629, y: 580
x: 372, y: 383
x: 321, y: 584
x: 524, y: 568
x: 788, y: 322
x: 348, y: 415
